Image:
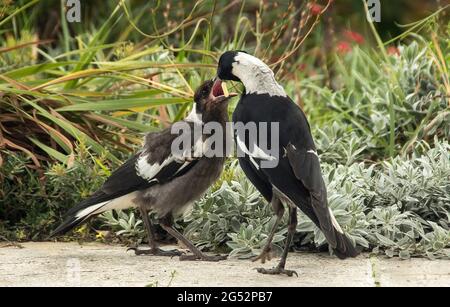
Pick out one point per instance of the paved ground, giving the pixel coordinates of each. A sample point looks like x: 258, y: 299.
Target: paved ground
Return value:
x: 71, y: 264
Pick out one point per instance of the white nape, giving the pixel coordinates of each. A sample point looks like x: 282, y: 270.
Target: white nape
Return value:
x: 193, y: 116
x: 335, y: 223
x: 256, y: 76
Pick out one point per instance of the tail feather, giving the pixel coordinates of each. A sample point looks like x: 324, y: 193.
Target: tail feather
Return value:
x: 344, y: 247
x: 98, y: 203
x: 79, y: 214
x: 68, y: 224
x: 340, y: 243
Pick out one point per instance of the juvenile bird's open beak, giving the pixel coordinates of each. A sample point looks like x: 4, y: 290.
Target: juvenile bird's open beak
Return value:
x: 220, y: 91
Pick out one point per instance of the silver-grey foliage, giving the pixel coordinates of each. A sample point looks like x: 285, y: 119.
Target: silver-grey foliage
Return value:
x: 399, y: 207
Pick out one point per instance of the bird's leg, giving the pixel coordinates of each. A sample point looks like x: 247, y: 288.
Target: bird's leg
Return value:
x: 154, y: 250
x: 279, y: 269
x: 167, y: 224
x: 279, y: 211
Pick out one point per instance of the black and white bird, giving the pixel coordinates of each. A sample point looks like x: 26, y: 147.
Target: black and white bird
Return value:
x: 297, y: 180
x: 157, y: 179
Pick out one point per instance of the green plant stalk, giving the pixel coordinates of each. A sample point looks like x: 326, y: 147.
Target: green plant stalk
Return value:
x: 393, y: 77
x: 65, y: 28
x: 99, y: 37
x: 391, y: 125
x: 17, y: 11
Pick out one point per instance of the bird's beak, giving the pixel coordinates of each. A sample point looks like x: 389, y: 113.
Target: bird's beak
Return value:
x: 222, y: 98
x: 220, y: 91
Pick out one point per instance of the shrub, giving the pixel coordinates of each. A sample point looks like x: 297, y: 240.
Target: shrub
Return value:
x: 398, y: 207
x: 379, y: 108
x: 32, y: 202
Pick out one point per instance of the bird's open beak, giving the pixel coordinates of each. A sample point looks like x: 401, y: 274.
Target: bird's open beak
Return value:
x: 220, y: 91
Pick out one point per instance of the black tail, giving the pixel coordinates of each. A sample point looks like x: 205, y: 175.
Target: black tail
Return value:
x: 307, y: 169
x: 323, y: 217
x: 68, y: 224
x: 81, y: 212
x: 344, y: 247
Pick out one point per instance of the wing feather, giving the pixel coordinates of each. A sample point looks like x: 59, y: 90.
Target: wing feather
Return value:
x: 306, y: 168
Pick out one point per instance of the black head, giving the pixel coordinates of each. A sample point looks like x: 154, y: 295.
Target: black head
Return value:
x: 255, y: 75
x: 210, y: 95
x: 225, y: 67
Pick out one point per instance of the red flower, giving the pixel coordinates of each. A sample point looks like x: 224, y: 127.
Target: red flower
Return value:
x: 354, y: 37
x: 392, y: 50
x: 344, y: 47
x: 316, y: 9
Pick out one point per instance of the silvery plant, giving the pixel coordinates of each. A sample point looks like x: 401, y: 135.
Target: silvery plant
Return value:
x: 399, y: 208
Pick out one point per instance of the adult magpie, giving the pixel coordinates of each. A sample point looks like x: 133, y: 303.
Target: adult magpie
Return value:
x: 162, y: 180
x: 296, y: 180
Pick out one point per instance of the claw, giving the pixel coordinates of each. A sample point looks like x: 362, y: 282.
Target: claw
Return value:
x: 277, y: 271
x: 155, y: 252
x: 265, y: 255
x: 215, y: 258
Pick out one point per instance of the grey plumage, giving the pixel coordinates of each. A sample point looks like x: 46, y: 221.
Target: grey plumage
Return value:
x: 158, y: 180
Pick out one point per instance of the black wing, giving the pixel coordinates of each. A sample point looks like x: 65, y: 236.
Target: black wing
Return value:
x: 298, y: 174
x: 154, y: 164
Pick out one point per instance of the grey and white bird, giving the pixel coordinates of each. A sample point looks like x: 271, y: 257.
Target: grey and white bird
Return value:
x: 157, y: 179
x: 296, y: 180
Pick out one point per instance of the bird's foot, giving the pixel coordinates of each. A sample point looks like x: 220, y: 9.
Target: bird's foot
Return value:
x: 215, y: 258
x: 266, y: 255
x: 277, y: 271
x: 156, y: 252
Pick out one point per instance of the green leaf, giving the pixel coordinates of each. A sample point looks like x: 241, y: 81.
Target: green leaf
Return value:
x: 50, y: 151
x: 122, y: 104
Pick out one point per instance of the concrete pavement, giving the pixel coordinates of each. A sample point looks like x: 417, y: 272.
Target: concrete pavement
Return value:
x: 71, y: 264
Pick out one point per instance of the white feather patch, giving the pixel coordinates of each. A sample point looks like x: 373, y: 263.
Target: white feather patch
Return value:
x: 335, y: 223
x: 311, y: 151
x: 256, y: 153
x: 256, y: 76
x: 149, y: 171
x: 120, y: 203
x: 185, y: 164
x: 89, y: 210
x: 193, y: 116
x: 254, y: 162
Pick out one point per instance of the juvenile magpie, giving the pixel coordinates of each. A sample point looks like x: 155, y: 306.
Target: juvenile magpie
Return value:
x: 296, y: 180
x: 159, y: 180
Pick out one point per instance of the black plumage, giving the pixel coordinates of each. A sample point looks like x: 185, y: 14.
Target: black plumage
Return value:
x: 297, y: 179
x: 160, y: 180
